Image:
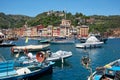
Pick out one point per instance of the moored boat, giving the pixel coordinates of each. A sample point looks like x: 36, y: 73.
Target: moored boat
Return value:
x: 60, y: 40
x: 83, y: 39
x: 15, y: 70
x: 103, y: 39
x: 98, y: 36
x: 45, y: 41
x: 27, y: 48
x: 92, y: 42
x: 110, y: 71
x: 7, y: 44
x: 59, y: 55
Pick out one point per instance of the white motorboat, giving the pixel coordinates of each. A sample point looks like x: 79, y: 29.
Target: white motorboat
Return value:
x: 92, y: 42
x: 59, y: 55
x: 27, y: 48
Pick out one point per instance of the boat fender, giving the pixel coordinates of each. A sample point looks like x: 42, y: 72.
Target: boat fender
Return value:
x: 12, y: 50
x: 30, y: 55
x: 40, y: 57
x: 25, y: 51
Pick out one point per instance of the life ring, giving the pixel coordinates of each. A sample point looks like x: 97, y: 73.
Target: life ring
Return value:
x: 12, y: 50
x: 40, y: 57
x: 25, y: 51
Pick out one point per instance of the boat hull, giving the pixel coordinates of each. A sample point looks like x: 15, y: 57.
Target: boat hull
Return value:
x: 6, y: 45
x: 18, y: 49
x: 58, y: 58
x: 31, y: 76
x: 62, y: 42
x: 85, y: 45
x: 109, y: 71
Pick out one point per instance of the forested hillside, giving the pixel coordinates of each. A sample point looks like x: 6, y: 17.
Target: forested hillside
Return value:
x: 105, y: 23
x: 100, y: 24
x: 12, y: 21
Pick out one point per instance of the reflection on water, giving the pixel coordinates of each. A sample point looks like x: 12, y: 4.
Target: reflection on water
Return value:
x: 65, y: 64
x: 92, y: 53
x: 46, y: 77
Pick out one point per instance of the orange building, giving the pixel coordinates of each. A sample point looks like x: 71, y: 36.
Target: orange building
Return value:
x: 84, y: 31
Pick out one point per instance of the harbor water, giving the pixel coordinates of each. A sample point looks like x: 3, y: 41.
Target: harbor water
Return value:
x: 72, y: 68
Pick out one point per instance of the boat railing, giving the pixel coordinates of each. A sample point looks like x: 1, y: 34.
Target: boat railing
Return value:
x: 7, y: 68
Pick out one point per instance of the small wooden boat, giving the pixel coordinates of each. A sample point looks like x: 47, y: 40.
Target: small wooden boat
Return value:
x: 15, y: 70
x: 110, y: 71
x: 27, y: 48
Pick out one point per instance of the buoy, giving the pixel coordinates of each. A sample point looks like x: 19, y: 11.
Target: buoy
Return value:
x: 30, y: 55
x: 40, y: 57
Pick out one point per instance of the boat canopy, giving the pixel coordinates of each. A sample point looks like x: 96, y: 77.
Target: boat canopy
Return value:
x: 92, y: 39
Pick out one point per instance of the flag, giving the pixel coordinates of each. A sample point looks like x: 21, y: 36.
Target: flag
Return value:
x: 26, y: 41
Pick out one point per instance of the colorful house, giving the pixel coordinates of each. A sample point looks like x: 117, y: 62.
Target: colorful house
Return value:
x: 56, y: 32
x: 82, y: 31
x: 65, y: 27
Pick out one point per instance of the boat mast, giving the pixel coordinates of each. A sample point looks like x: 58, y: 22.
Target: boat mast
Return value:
x: 65, y: 23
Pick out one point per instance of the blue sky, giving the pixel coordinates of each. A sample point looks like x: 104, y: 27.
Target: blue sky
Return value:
x: 34, y: 7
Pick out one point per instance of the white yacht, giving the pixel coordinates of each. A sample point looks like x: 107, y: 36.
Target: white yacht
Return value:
x: 91, y: 42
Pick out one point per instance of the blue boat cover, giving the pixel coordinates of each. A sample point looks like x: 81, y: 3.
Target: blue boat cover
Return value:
x: 97, y: 77
x: 7, y: 68
x: 115, y: 68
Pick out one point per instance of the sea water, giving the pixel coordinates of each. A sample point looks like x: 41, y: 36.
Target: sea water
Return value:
x: 72, y: 68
